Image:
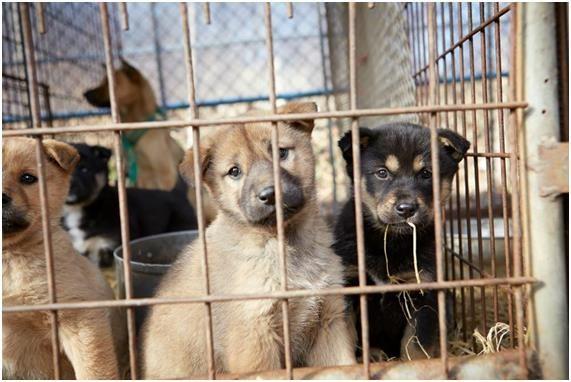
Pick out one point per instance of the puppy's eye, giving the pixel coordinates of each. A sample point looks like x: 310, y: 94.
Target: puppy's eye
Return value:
x: 83, y: 169
x: 284, y: 153
x: 426, y: 173
x: 234, y: 172
x: 382, y: 173
x: 26, y: 178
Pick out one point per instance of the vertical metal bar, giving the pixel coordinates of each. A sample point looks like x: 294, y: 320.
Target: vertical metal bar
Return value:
x: 46, y: 231
x: 414, y: 11
x: 124, y: 16
x: 503, y: 168
x: 278, y: 188
x: 158, y: 54
x: 515, y: 201
x: 489, y: 167
x: 290, y: 10
x: 433, y: 75
x: 123, y: 211
x: 193, y: 114
x: 449, y: 258
x: 425, y: 74
x: 357, y: 189
x: 17, y: 20
x: 458, y: 205
x: 330, y: 143
x: 472, y: 314
x: 476, y: 166
x: 39, y: 7
x: 410, y: 34
x: 206, y: 9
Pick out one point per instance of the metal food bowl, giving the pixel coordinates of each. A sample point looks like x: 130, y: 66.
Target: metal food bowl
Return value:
x: 151, y: 257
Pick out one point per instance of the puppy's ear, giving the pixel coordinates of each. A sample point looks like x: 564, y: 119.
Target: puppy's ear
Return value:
x: 453, y: 144
x: 346, y: 142
x: 62, y: 154
x: 305, y: 125
x: 186, y: 167
x: 130, y: 71
x: 101, y: 152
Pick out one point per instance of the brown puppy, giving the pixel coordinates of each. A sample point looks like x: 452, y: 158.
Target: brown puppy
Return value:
x: 90, y: 339
x: 156, y: 153
x: 243, y: 258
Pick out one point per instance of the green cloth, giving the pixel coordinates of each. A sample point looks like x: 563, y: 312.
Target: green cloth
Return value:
x: 129, y: 139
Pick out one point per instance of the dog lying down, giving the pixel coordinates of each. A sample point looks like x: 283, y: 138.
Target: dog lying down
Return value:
x: 90, y: 339
x: 91, y: 211
x: 243, y: 258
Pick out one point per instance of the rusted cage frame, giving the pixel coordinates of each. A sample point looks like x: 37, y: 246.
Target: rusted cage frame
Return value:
x: 430, y: 106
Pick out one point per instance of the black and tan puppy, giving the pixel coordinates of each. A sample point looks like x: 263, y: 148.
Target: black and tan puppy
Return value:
x: 92, y: 341
x: 243, y: 259
x: 91, y: 211
x: 397, y: 188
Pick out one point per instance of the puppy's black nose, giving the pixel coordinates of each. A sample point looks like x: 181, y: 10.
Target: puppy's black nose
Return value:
x: 268, y: 196
x: 406, y: 210
x: 6, y: 200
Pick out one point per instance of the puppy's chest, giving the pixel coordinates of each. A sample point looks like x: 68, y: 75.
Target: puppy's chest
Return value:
x: 260, y: 272
x: 84, y: 241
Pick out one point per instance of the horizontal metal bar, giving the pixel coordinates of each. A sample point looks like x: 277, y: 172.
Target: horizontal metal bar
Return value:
x: 179, y: 105
x: 369, y: 289
x: 489, y: 155
x: 502, y: 365
x: 262, y: 118
x: 470, y: 35
x: 419, y: 81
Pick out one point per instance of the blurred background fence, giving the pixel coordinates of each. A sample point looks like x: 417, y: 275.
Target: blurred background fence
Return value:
x: 311, y: 61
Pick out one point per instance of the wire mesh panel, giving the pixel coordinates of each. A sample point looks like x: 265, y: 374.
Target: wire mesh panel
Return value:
x: 444, y: 65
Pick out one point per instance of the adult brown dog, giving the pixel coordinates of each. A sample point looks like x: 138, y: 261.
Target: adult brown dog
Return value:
x: 90, y: 339
x: 243, y: 258
x: 156, y: 153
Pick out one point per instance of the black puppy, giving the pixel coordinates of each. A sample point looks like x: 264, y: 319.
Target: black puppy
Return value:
x: 91, y: 212
x: 397, y: 188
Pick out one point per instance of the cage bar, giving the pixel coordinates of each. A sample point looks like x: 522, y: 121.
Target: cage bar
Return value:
x: 297, y: 293
x: 355, y: 148
x: 39, y: 7
x: 124, y: 16
x: 503, y: 167
x: 206, y: 10
x: 40, y: 158
x: 278, y: 189
x: 338, y: 114
x: 123, y: 208
x: 289, y: 10
x: 193, y: 114
x: 433, y: 75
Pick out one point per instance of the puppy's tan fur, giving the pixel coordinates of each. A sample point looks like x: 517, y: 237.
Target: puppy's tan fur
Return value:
x: 89, y: 339
x: 158, y: 154
x: 244, y: 259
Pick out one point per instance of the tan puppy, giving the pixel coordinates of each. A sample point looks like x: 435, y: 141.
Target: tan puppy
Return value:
x: 90, y: 339
x: 243, y: 258
x: 157, y: 153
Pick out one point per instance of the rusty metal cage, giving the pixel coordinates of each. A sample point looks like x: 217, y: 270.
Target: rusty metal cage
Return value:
x: 465, y: 64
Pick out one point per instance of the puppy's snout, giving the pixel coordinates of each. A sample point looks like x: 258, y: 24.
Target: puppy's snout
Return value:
x: 406, y: 210
x: 6, y: 200
x: 267, y: 196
